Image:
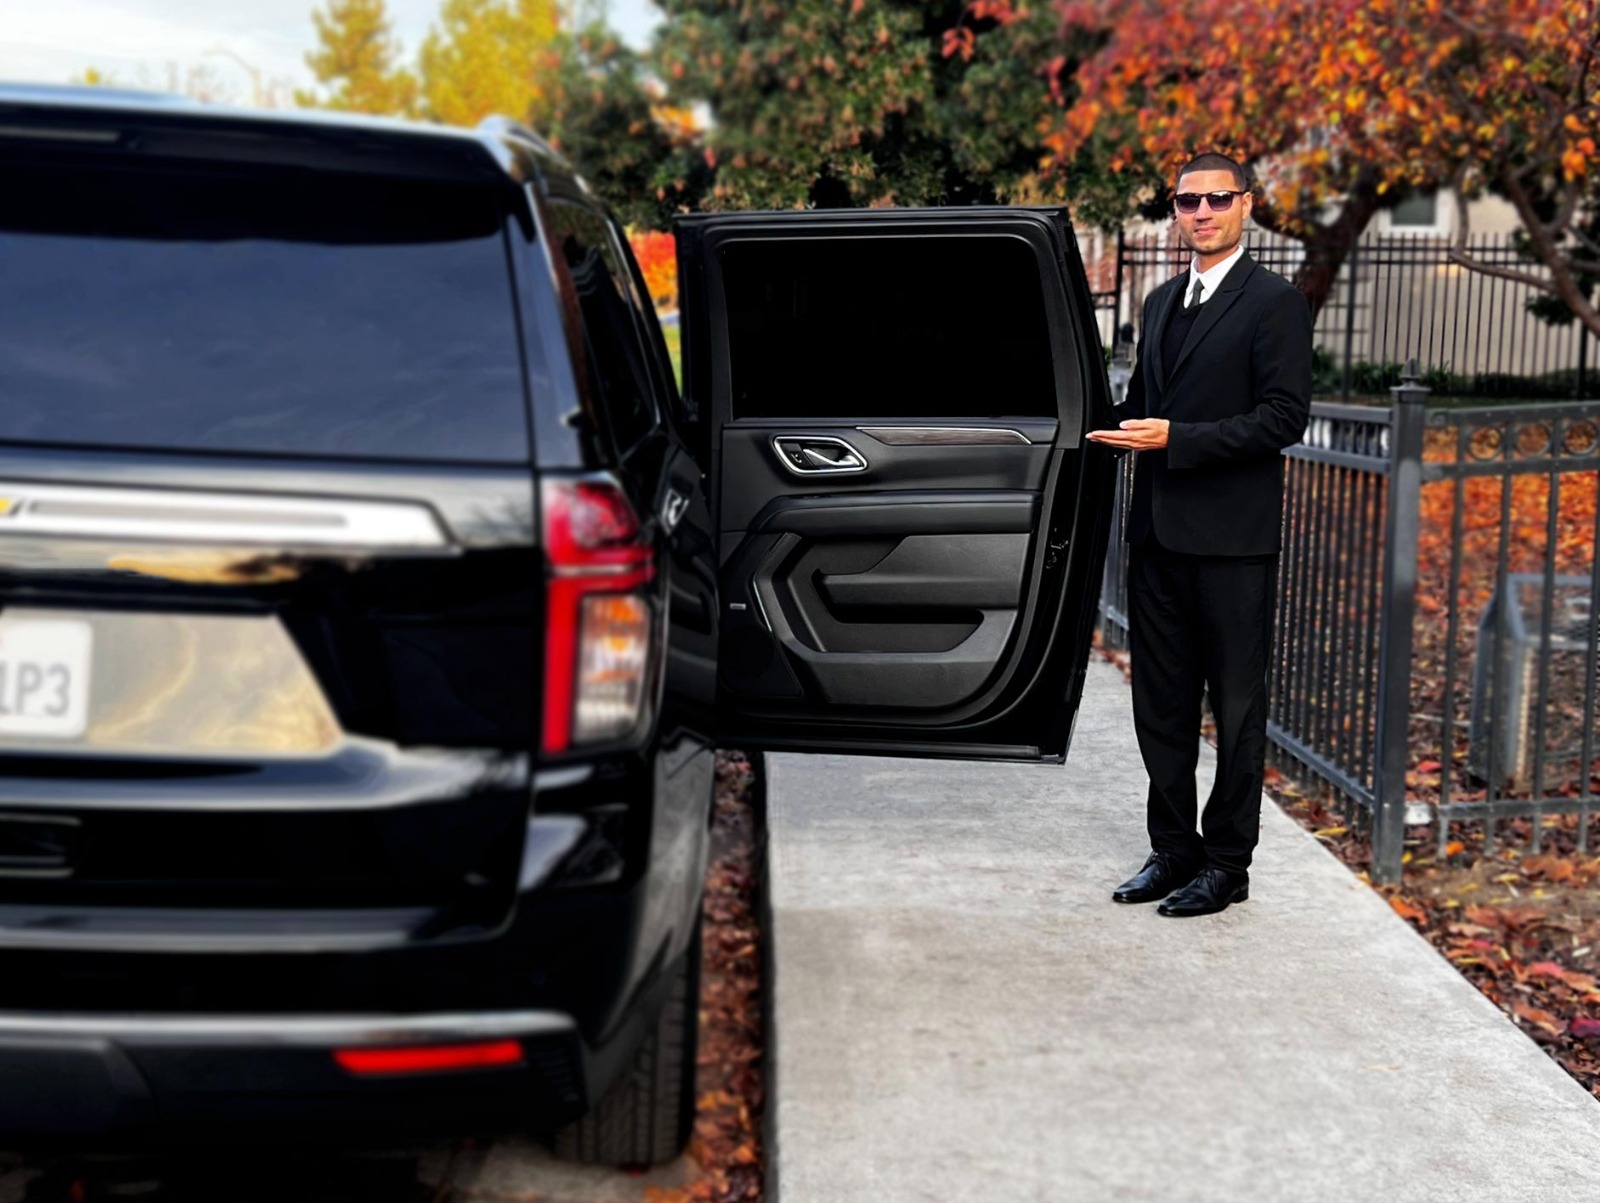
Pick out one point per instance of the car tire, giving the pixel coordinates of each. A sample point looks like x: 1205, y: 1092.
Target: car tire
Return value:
x: 647, y: 1116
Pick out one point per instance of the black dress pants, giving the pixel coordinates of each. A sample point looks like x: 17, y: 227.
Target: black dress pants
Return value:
x: 1201, y: 624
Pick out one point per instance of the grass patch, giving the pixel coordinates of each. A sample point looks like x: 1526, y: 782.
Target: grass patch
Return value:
x: 674, y: 336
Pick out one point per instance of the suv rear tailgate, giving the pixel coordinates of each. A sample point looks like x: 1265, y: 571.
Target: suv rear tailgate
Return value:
x: 266, y: 504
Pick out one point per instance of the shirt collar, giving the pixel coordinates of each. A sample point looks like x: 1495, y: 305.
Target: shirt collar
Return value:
x: 1211, y: 278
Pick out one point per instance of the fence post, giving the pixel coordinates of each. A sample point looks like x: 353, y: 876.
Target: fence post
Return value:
x: 1350, y: 322
x: 1116, y: 310
x: 1583, y: 360
x: 1402, y: 520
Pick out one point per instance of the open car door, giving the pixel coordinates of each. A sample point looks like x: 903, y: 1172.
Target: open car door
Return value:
x: 911, y: 524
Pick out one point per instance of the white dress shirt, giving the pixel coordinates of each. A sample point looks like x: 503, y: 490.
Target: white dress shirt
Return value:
x: 1211, y: 278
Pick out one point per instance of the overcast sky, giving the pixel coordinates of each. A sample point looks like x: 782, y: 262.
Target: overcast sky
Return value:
x: 50, y: 41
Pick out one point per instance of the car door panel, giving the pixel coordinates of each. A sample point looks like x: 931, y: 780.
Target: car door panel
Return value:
x: 905, y: 567
x: 754, y: 471
x: 960, y: 571
x: 922, y: 585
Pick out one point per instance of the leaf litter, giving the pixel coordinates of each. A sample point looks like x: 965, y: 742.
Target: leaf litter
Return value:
x: 1523, y: 928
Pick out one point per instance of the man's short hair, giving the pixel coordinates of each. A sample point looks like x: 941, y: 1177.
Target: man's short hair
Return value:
x: 1212, y: 161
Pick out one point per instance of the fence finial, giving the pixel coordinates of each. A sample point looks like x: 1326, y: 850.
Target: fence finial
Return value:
x: 1410, y: 390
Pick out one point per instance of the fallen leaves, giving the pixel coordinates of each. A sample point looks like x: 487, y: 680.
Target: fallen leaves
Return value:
x: 1557, y: 869
x: 1114, y: 656
x: 1542, y: 1020
x: 1408, y: 910
x: 727, y: 1132
x: 1518, y: 525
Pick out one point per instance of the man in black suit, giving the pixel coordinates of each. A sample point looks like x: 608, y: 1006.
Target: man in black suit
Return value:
x: 1221, y: 387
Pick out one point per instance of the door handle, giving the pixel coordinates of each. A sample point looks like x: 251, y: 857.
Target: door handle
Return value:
x: 841, y: 459
x: 811, y: 455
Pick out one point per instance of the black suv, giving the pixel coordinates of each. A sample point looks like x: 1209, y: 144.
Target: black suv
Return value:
x: 371, y: 601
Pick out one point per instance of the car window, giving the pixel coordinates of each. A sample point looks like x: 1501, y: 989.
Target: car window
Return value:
x: 617, y: 359
x: 644, y: 312
x: 262, y: 312
x: 888, y: 327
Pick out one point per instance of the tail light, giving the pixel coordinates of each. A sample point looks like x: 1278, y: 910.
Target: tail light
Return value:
x: 598, y: 622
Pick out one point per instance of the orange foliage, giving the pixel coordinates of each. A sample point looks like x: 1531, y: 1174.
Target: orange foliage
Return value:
x: 657, y: 254
x: 1535, y: 519
x: 1526, y: 526
x: 1410, y: 90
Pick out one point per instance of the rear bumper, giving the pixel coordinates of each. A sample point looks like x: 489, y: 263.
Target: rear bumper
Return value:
x: 127, y: 1075
x: 165, y: 1022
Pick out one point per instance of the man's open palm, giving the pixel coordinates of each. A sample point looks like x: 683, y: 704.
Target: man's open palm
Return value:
x: 1136, y: 434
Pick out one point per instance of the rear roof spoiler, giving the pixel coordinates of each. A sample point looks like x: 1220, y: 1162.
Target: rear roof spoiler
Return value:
x: 120, y: 124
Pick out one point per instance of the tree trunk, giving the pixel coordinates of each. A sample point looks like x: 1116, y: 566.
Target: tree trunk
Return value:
x: 1328, y: 246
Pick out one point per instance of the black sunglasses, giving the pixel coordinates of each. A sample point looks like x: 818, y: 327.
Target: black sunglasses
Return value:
x: 1220, y: 202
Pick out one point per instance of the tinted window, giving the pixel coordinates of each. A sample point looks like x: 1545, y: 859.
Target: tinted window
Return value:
x: 887, y: 327
x: 298, y: 313
x: 644, y: 314
x: 614, y: 344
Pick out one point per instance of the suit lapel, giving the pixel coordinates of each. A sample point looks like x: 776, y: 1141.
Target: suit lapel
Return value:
x: 1158, y: 370
x: 1211, y: 312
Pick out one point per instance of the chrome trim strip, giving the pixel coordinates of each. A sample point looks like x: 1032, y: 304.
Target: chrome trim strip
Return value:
x: 289, y: 1030
x: 561, y: 778
x: 60, y: 133
x: 177, y: 944
x: 230, y: 519
x: 582, y: 570
x: 899, y: 436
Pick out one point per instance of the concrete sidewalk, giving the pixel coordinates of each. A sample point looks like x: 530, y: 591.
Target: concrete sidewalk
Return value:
x: 961, y: 1012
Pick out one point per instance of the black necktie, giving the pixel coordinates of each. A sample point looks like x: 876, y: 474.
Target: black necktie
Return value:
x: 1194, y: 296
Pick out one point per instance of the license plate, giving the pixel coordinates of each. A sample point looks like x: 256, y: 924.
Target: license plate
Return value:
x: 44, y: 678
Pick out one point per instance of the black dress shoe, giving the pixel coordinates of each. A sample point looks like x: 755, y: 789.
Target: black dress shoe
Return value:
x: 1160, y: 876
x: 1212, y: 890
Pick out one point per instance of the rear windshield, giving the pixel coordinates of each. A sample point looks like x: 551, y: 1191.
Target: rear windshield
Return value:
x: 279, y: 313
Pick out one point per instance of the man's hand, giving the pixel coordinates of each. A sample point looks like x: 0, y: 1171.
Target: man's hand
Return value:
x: 1136, y: 434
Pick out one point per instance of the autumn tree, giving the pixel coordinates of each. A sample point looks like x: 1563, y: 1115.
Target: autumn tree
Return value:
x: 605, y: 114
x: 1511, y: 91
x: 847, y: 102
x: 998, y: 96
x: 1342, y: 105
x: 357, y: 61
x: 489, y: 56
x: 1140, y: 85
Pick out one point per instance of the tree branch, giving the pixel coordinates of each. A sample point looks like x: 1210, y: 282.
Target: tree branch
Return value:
x: 1459, y: 254
x: 1472, y: 264
x: 1562, y: 280
x: 1559, y: 224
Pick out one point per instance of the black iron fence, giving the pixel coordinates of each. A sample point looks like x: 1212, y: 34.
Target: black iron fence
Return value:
x: 1436, y: 649
x: 1395, y: 297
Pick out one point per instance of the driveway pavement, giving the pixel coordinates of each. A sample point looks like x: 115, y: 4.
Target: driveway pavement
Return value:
x: 961, y: 1013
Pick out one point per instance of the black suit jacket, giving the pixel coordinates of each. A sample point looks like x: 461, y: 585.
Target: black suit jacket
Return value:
x: 1239, y: 392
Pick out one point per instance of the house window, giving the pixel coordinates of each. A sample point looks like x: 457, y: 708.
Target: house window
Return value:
x: 1418, y: 213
